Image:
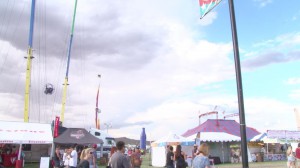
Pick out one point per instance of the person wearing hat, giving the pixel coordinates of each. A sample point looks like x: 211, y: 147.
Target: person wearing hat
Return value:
x: 94, y: 157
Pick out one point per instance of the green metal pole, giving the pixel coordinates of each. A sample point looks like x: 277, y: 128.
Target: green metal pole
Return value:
x: 68, y: 66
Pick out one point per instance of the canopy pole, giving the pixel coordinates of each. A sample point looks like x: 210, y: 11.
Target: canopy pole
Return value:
x: 20, y: 150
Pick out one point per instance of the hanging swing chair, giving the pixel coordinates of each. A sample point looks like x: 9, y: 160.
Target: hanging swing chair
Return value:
x: 49, y: 89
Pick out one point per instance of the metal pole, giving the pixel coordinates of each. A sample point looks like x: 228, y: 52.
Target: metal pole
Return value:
x: 28, y: 66
x: 239, y: 86
x: 64, y: 98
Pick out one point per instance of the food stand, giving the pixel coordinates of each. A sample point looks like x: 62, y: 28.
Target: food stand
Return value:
x: 19, y: 133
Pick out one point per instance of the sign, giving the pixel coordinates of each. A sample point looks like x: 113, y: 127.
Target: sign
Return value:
x: 44, y: 163
x: 284, y: 134
x: 77, y: 134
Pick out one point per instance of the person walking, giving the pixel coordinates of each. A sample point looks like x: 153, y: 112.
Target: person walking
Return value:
x: 135, y: 158
x: 73, y: 157
x: 201, y: 160
x: 66, y: 158
x: 194, y: 152
x: 290, y: 158
x: 170, y: 158
x: 57, y: 158
x: 180, y: 158
x: 93, y: 159
x: 298, y: 155
x: 118, y: 159
x: 85, y: 157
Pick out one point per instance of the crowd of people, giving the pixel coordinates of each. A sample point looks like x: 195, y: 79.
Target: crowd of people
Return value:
x: 131, y: 159
x: 71, y: 158
x: 178, y: 158
x: 87, y: 157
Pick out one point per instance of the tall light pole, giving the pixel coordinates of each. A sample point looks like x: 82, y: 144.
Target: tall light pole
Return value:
x: 107, y: 125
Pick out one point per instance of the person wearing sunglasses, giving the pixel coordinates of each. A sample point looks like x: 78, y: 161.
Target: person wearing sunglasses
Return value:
x: 86, y: 155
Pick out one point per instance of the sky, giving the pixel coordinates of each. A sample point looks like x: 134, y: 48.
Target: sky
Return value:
x: 161, y: 65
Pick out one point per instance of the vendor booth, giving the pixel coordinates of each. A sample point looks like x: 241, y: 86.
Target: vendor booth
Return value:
x: 219, y: 144
x: 29, y: 135
x: 272, y: 145
x: 158, y: 148
x: 222, y: 134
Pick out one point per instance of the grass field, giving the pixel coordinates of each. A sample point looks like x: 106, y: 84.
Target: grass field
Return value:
x: 146, y: 164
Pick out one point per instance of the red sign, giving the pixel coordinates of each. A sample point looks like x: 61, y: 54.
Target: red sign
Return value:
x: 56, y: 124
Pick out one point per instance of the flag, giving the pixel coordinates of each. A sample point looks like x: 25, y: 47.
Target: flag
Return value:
x: 56, y: 125
x: 97, y: 120
x: 206, y: 6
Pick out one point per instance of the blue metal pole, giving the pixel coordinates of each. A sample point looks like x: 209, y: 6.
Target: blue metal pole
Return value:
x: 31, y: 23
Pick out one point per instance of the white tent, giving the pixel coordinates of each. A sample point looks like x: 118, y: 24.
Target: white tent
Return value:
x: 25, y: 133
x: 216, y: 137
x: 218, y: 149
x: 158, y: 148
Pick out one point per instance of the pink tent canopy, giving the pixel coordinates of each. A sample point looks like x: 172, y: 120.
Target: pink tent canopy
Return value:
x: 227, y: 126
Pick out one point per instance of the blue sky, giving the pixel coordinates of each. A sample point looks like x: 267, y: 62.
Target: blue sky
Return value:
x: 161, y: 65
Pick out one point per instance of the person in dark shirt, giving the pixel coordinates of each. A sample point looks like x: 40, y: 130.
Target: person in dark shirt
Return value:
x: 170, y: 158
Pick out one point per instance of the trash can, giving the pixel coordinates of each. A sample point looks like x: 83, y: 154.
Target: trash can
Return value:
x: 19, y: 163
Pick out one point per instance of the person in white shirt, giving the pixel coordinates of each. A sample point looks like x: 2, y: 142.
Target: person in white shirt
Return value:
x: 73, y: 157
x: 66, y: 158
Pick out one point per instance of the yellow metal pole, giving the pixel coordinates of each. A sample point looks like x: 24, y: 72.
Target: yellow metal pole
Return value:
x: 27, y: 85
x: 28, y: 68
x: 64, y: 99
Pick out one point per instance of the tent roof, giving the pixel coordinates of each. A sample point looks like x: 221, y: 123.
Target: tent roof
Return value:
x: 216, y: 137
x: 25, y: 133
x: 173, y: 139
x: 259, y: 137
x: 77, y: 136
x: 227, y: 126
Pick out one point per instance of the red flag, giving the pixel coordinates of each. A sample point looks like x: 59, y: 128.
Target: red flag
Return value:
x: 56, y: 125
x: 97, y: 110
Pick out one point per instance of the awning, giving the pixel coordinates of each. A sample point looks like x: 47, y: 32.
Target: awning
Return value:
x: 216, y: 137
x: 25, y: 133
x: 77, y: 136
x: 259, y: 137
x: 173, y: 139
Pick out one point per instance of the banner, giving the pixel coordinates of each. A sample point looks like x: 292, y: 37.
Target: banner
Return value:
x: 284, y: 134
x: 206, y: 6
x: 56, y: 125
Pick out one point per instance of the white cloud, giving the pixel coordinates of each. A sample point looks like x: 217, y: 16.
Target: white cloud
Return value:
x: 295, y: 94
x: 293, y: 81
x: 208, y: 19
x: 263, y: 3
x: 266, y: 114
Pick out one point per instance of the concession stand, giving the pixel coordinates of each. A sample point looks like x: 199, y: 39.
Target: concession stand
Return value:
x: 17, y: 134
